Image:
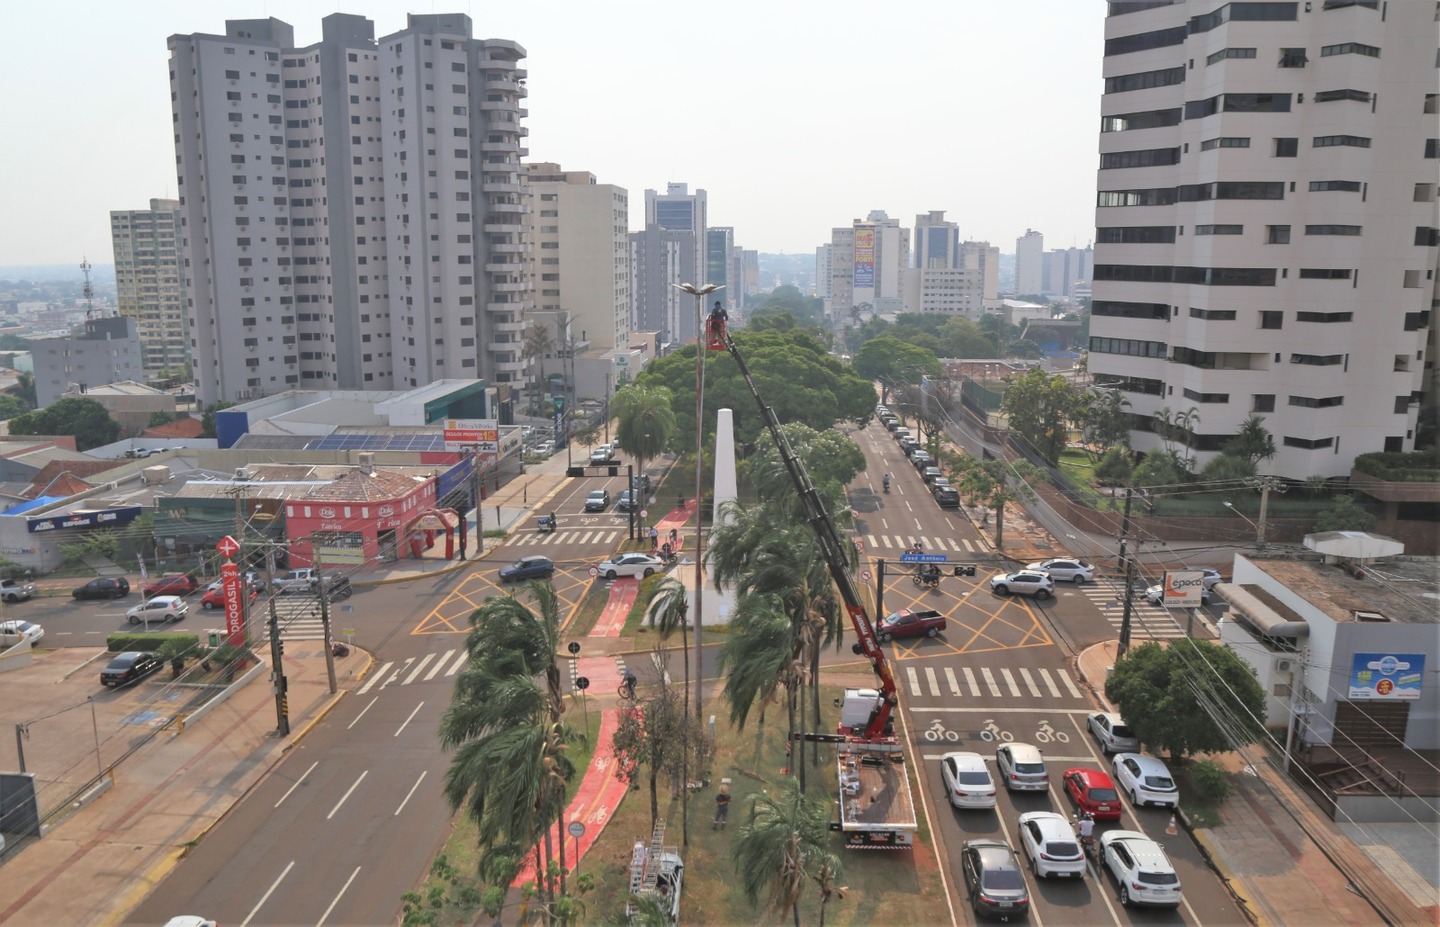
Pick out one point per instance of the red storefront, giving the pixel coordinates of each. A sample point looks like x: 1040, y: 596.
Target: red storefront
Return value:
x: 363, y: 516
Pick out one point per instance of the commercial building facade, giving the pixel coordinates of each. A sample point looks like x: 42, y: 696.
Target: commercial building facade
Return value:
x: 1267, y: 235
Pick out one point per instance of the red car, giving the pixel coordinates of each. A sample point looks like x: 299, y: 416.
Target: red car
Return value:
x: 170, y: 584
x: 215, y: 598
x: 909, y: 622
x: 1093, y: 791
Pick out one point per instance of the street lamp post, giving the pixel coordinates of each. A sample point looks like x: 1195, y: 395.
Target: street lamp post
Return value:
x: 699, y: 292
x: 1259, y: 529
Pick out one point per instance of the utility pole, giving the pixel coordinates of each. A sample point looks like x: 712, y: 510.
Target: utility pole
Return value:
x: 277, y: 673
x: 325, y: 623
x: 1129, y: 565
x: 1265, y: 484
x: 879, y: 588
x: 634, y: 500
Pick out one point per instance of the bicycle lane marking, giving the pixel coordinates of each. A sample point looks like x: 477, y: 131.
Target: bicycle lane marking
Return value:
x: 617, y: 607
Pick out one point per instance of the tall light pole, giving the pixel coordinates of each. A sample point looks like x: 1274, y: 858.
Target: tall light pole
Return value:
x: 699, y: 292
x: 1259, y: 529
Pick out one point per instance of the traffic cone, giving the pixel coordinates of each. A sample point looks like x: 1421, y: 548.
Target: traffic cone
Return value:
x: 1170, y: 828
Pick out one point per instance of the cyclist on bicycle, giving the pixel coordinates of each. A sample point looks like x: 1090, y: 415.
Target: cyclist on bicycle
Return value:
x: 628, y: 684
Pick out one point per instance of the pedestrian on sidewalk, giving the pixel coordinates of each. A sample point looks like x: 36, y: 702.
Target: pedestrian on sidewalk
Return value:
x: 722, y: 808
x: 674, y: 539
x: 654, y: 537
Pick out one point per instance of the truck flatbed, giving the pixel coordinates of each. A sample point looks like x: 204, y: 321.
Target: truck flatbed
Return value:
x: 881, y: 800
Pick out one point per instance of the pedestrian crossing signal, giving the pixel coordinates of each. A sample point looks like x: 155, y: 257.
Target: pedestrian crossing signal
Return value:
x: 965, y: 569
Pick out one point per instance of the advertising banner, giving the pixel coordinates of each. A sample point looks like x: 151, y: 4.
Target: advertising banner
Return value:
x: 1183, y: 588
x: 1387, y: 675
x: 864, y: 259
x: 103, y: 518
x: 482, y: 434
x: 232, y: 588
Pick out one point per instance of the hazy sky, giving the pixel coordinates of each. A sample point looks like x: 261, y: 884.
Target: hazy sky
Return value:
x: 795, y: 116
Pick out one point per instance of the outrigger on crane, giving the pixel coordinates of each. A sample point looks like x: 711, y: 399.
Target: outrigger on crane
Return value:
x: 876, y: 808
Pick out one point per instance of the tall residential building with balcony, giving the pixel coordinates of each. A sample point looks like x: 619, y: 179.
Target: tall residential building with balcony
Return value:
x: 581, y: 256
x: 1266, y: 223
x: 146, y: 243
x: 352, y: 214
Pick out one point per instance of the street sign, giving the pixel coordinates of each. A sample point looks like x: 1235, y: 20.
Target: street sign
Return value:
x: 594, y: 571
x: 582, y: 683
x: 577, y: 829
x: 482, y: 434
x: 574, y: 647
x: 912, y: 557
x: 228, y: 546
x: 644, y: 513
x: 865, y: 576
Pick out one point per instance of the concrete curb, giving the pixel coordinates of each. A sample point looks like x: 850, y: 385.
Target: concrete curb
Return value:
x: 1231, y: 879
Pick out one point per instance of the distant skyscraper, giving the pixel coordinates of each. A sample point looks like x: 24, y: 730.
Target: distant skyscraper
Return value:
x: 661, y: 260
x: 719, y: 245
x: 677, y: 209
x: 352, y: 211
x: 936, y: 240
x: 1066, y: 269
x: 1029, y: 263
x: 822, y: 271
x: 1266, y: 229
x: 147, y: 284
x: 868, y: 261
x: 581, y: 256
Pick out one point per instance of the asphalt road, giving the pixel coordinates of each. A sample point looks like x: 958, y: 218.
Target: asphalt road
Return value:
x: 1001, y: 671
x: 350, y: 819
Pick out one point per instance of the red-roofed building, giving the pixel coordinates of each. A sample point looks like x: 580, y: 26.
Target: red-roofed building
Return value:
x: 186, y: 427
x: 365, y: 515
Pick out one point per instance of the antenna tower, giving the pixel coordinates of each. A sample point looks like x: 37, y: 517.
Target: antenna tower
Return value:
x: 88, y: 291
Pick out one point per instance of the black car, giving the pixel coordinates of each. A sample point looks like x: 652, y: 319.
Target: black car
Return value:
x: 629, y: 502
x: 993, y: 880
x: 105, y: 587
x: 947, y: 497
x: 597, y: 501
x: 528, y: 568
x: 129, y: 667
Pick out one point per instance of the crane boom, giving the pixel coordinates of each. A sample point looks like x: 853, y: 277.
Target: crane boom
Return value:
x: 832, y: 549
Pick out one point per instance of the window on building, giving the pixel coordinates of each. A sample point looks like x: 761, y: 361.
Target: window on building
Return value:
x: 1262, y: 402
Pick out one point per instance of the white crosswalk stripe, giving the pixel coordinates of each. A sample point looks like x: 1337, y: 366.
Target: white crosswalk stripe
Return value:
x: 606, y: 536
x: 1147, y: 622
x: 409, y: 670
x: 946, y: 683
x: 903, y: 543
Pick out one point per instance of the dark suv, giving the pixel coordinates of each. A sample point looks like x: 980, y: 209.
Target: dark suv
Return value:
x: 993, y: 880
x: 104, y: 587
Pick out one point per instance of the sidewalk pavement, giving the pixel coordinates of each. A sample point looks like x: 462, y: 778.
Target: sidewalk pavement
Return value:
x: 1285, y: 861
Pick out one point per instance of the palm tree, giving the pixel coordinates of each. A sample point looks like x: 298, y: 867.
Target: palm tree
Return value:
x: 669, y: 609
x: 1252, y: 442
x: 538, y: 342
x: 644, y: 421
x: 784, y: 843
x: 510, y: 769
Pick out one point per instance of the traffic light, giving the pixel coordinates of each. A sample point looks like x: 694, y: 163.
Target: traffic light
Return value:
x: 965, y: 569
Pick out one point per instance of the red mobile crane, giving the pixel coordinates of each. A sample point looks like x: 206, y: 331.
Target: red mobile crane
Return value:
x: 875, y: 806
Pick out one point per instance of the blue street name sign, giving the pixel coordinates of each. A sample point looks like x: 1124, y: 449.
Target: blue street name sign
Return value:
x: 923, y: 558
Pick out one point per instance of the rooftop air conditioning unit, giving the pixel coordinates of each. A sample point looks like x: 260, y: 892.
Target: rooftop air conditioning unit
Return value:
x: 241, y: 474
x: 1284, y: 666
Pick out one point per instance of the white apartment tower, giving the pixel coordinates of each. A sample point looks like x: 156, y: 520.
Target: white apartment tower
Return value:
x: 1266, y: 222
x: 581, y: 257
x: 1029, y: 263
x: 147, y: 284
x: 352, y: 212
x: 868, y: 264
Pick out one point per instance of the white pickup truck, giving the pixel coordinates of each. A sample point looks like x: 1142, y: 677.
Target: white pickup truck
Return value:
x: 301, y: 580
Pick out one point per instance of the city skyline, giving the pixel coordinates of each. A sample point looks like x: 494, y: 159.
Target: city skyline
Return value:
x: 850, y: 138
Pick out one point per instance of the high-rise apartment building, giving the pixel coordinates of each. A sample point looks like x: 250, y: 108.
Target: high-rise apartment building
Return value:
x: 949, y: 276
x: 719, y: 266
x: 1029, y: 263
x: 677, y: 209
x: 822, y: 271
x: 868, y: 262
x: 581, y: 256
x: 352, y: 213
x: 1266, y: 222
x: 1066, y: 271
x: 147, y: 284
x: 660, y: 260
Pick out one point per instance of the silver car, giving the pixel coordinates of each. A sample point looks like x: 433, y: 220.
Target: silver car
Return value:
x: 1022, y: 768
x: 1112, y: 732
x: 1023, y: 582
x: 1065, y: 569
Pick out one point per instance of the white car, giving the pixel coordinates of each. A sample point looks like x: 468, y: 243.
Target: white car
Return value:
x: 1049, y: 841
x: 1155, y: 595
x: 967, y: 781
x: 13, y: 632
x: 1142, y: 871
x: 1112, y: 732
x: 1023, y: 582
x: 1065, y: 569
x: 161, y: 608
x: 601, y: 455
x: 1022, y: 768
x: 1146, y: 779
x: 630, y: 565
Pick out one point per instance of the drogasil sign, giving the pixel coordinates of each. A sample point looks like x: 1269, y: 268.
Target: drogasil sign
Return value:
x: 1183, y: 588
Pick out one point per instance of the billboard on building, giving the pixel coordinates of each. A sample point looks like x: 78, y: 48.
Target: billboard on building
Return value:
x: 1183, y: 588
x: 1386, y: 675
x: 865, y: 258
x: 477, y: 434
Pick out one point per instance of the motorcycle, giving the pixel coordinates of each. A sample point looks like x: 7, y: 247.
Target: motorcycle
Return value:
x: 886, y: 483
x: 926, y: 580
x: 546, y: 524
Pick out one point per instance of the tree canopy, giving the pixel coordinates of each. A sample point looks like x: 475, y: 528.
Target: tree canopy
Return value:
x: 895, y: 361
x: 86, y: 419
x: 1039, y: 407
x: 1190, y: 697
x: 793, y: 371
